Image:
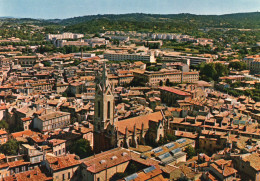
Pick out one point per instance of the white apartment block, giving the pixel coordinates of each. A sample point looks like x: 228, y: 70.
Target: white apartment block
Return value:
x: 154, y: 78
x: 249, y: 59
x: 64, y: 36
x: 189, y: 59
x: 122, y: 57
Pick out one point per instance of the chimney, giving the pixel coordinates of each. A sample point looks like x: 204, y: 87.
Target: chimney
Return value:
x: 81, y: 52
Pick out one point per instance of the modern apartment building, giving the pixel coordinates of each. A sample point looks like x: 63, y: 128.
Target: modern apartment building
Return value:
x: 64, y: 36
x: 122, y: 57
x: 154, y: 78
x: 253, y: 63
x: 255, y: 67
x: 189, y: 59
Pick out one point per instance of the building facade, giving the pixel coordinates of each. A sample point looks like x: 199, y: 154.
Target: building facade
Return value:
x: 122, y: 57
x: 154, y: 78
x: 51, y: 121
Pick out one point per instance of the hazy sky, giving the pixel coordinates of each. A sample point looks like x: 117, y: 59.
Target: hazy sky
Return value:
x: 71, y: 8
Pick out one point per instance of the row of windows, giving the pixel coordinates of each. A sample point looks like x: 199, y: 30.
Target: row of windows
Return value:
x: 64, y: 176
x: 60, y: 152
x: 26, y: 63
x: 55, y: 120
x: 18, y: 170
x: 57, y: 125
x: 174, y: 75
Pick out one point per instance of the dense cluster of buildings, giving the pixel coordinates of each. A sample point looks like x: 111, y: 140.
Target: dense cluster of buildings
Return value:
x: 158, y: 36
x: 145, y: 114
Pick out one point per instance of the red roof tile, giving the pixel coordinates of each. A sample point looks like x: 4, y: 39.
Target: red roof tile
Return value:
x: 61, y: 162
x: 175, y: 91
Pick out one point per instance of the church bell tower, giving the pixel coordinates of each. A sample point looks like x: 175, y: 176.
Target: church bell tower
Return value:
x: 104, y: 111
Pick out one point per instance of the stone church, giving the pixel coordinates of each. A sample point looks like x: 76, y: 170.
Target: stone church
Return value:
x: 110, y: 133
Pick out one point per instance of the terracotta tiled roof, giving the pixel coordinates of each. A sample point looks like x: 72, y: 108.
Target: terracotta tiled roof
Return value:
x: 138, y: 121
x: 27, y: 57
x: 3, y: 107
x: 106, y: 160
x: 254, y: 160
x: 53, y: 115
x: 2, y: 132
x: 150, y: 175
x: 4, y: 165
x: 26, y: 119
x: 24, y: 109
x: 39, y: 138
x: 55, y: 142
x: 25, y: 133
x: 2, y: 156
x: 32, y: 175
x: 62, y: 162
x: 175, y: 91
x: 225, y: 164
x: 138, y: 63
x: 17, y: 163
x: 186, y: 134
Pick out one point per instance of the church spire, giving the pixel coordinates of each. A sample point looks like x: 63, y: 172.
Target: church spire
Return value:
x: 104, y: 102
x: 104, y: 79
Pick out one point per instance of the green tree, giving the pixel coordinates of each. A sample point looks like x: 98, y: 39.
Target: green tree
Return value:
x: 237, y: 65
x: 64, y: 94
x: 190, y: 151
x: 166, y: 139
x: 161, y: 83
x: 171, y: 137
x: 82, y: 148
x: 221, y: 70
x: 212, y: 71
x: 46, y: 64
x: 4, y: 124
x: 167, y: 83
x: 10, y: 147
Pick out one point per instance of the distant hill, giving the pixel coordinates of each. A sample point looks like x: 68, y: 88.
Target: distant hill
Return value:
x: 11, y: 20
x: 254, y: 17
x: 157, y: 22
x: 149, y: 22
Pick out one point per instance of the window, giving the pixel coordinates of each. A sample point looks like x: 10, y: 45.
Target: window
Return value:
x: 59, y: 152
x: 69, y: 175
x: 63, y: 176
x: 63, y: 150
x: 98, y: 179
x: 108, y: 109
x: 99, y: 111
